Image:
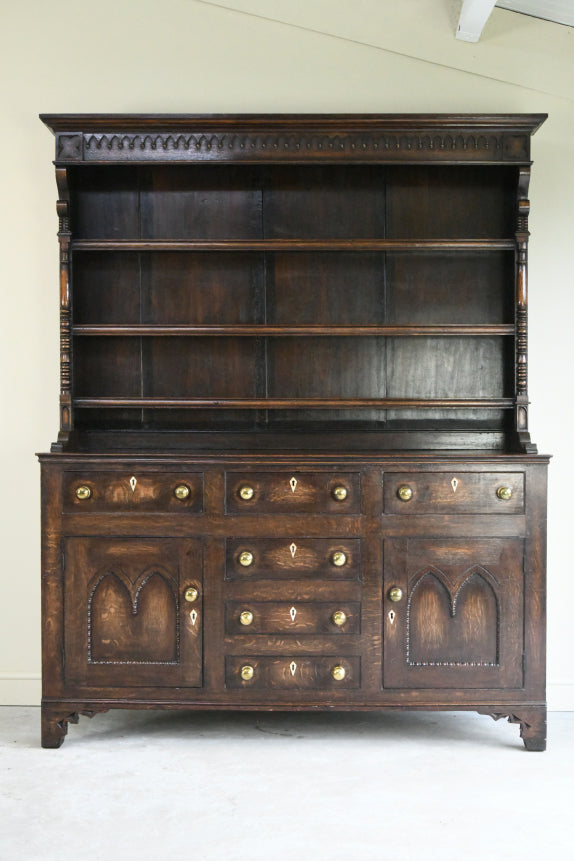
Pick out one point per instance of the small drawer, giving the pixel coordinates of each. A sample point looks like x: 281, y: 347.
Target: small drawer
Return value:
x: 298, y: 617
x: 454, y: 493
x: 171, y: 492
x: 299, y: 672
x: 293, y: 559
x: 293, y: 492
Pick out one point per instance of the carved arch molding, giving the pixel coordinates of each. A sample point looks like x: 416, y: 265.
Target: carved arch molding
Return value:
x: 133, y: 620
x: 453, y: 624
x: 171, y: 146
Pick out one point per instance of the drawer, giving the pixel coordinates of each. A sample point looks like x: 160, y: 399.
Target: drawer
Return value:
x: 293, y: 559
x: 133, y: 492
x: 293, y: 492
x: 300, y: 672
x: 453, y: 493
x: 298, y: 617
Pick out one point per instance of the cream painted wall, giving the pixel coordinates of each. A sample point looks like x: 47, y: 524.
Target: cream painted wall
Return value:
x: 320, y: 55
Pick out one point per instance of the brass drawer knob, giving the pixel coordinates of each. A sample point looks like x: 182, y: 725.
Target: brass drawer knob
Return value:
x: 246, y: 492
x: 246, y: 617
x: 405, y: 492
x: 246, y: 672
x: 338, y: 673
x: 395, y: 594
x: 191, y: 594
x: 339, y: 558
x: 338, y: 618
x: 504, y: 492
x: 246, y: 558
x: 182, y: 491
x: 340, y: 493
x: 83, y: 492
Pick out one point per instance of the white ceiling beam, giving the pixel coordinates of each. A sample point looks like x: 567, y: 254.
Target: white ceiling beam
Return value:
x: 559, y: 11
x: 473, y: 16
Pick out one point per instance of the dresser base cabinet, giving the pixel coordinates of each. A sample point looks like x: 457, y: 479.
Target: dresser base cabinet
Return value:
x: 294, y: 467
x: 226, y: 604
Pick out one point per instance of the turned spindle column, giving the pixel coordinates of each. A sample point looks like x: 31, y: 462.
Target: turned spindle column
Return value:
x: 64, y: 238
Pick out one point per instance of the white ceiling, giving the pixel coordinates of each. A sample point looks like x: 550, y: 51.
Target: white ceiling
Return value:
x: 560, y: 11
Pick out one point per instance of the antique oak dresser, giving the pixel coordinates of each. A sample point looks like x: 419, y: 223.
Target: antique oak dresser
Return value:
x: 293, y: 468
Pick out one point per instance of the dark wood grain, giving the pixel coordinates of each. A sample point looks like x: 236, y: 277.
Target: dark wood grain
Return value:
x: 195, y: 368
x: 107, y: 289
x: 110, y: 373
x: 446, y: 288
x: 280, y: 122
x: 451, y: 202
x: 297, y: 403
x: 134, y: 492
x: 293, y: 492
x: 327, y: 368
x: 128, y: 622
x: 195, y: 289
x: 293, y: 559
x: 455, y: 492
x: 459, y: 622
x: 438, y: 368
x: 249, y: 331
x: 296, y: 304
x: 197, y: 203
x: 105, y: 204
x: 308, y: 202
x: 298, y: 244
x: 292, y: 673
x: 291, y: 617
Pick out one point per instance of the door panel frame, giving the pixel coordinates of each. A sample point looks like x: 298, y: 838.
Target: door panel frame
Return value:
x: 180, y: 563
x: 506, y: 578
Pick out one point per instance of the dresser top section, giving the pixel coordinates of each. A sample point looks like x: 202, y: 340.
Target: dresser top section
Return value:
x: 126, y: 138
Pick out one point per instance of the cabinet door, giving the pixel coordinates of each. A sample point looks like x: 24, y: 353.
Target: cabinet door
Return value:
x: 459, y: 620
x: 127, y: 622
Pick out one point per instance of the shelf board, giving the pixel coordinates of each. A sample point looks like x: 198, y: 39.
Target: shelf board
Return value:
x: 296, y: 403
x: 294, y: 245
x: 284, y: 331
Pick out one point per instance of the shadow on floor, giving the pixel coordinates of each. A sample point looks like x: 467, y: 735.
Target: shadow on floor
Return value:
x: 392, y: 727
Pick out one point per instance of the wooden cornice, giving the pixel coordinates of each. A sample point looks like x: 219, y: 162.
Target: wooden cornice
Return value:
x: 275, y: 122
x: 127, y: 138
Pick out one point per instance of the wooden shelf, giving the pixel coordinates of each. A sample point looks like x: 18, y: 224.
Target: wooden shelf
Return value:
x: 294, y: 245
x: 296, y: 403
x: 134, y: 329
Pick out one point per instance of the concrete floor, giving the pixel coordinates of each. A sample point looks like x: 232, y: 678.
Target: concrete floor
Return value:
x: 268, y: 787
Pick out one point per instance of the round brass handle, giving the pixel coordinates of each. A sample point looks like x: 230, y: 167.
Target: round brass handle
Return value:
x: 340, y: 493
x: 83, y: 492
x: 246, y: 492
x: 338, y: 618
x: 338, y: 673
x: 504, y: 492
x: 246, y: 617
x: 339, y: 558
x: 182, y: 491
x: 405, y: 492
x: 395, y: 594
x: 246, y: 672
x: 191, y: 594
x: 246, y: 558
